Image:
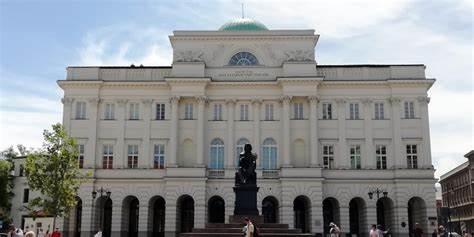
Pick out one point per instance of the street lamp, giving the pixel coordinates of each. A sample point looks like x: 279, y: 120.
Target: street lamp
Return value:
x: 378, y: 192
x: 102, y: 193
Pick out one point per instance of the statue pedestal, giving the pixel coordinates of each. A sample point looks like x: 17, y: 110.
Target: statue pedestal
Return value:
x: 246, y: 200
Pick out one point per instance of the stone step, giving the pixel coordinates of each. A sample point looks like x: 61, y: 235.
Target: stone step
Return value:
x: 237, y: 225
x: 239, y: 230
x: 240, y: 234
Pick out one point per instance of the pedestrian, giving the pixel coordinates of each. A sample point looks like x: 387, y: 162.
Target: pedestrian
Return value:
x: 98, y: 234
x: 380, y: 231
x: 29, y: 233
x: 40, y: 233
x: 373, y: 231
x: 15, y: 232
x: 417, y: 232
x: 47, y: 233
x: 250, y: 229
x: 442, y: 232
x: 56, y: 233
x: 334, y: 231
x: 435, y: 233
x: 464, y: 234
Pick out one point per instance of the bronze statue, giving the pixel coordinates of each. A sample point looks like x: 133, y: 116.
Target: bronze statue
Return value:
x: 247, y: 164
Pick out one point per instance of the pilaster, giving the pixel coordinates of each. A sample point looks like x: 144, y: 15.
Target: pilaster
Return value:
x: 92, y: 140
x: 424, y: 115
x: 344, y: 219
x: 173, y: 148
x: 256, y: 104
x: 119, y: 160
x: 396, y: 133
x: 201, y: 101
x: 230, y: 134
x: 313, y: 126
x: 285, y: 118
x: 342, y: 160
x: 67, y: 113
x: 145, y: 158
x: 368, y: 158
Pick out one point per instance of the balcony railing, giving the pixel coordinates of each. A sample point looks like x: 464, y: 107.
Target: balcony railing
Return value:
x: 270, y: 174
x: 215, y: 173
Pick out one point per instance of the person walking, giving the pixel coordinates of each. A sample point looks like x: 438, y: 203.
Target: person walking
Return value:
x: 417, y: 232
x: 29, y: 233
x: 250, y: 228
x: 334, y: 231
x: 40, y: 233
x: 373, y: 231
x: 56, y: 233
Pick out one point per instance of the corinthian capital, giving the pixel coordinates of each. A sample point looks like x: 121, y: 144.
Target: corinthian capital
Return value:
x: 67, y: 100
x: 174, y: 99
x: 424, y: 99
x: 230, y: 101
x: 201, y: 99
x: 395, y: 100
x: 256, y: 101
x: 285, y: 99
x: 314, y: 99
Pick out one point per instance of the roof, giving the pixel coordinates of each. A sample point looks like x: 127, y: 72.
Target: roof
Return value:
x: 454, y: 171
x: 244, y: 24
x: 319, y: 65
x: 469, y: 154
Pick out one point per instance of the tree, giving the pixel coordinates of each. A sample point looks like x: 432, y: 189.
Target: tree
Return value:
x: 6, y: 189
x: 54, y: 172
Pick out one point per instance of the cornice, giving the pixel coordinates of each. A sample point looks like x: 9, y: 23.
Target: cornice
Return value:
x: 64, y: 84
x: 243, y: 84
x: 243, y: 37
x: 187, y: 80
x: 386, y: 83
x: 300, y: 80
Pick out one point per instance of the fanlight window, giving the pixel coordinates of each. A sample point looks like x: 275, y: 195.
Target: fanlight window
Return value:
x: 243, y: 59
x: 217, y: 154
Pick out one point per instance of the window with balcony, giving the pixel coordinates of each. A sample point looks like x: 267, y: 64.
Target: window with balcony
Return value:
x: 412, y: 156
x: 132, y: 156
x: 217, y: 154
x: 355, y: 156
x: 269, y: 154
x: 381, y: 156
x: 159, y: 156
x: 107, y: 156
x: 328, y: 156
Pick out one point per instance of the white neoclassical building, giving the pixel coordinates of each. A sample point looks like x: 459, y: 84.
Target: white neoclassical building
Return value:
x: 164, y: 139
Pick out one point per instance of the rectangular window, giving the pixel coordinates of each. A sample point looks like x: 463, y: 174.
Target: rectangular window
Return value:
x: 328, y: 156
x: 244, y: 112
x: 354, y: 111
x: 412, y: 157
x: 409, y: 110
x: 80, y: 157
x: 22, y: 168
x: 109, y: 112
x: 379, y: 111
x: 327, y: 111
x: 269, y: 112
x: 188, y: 111
x: 160, y: 112
x: 26, y: 195
x: 134, y: 111
x: 298, y: 111
x: 80, y: 110
x: 217, y: 112
x: 107, y: 156
x: 132, y: 156
x: 381, y: 156
x: 159, y: 156
x: 354, y: 152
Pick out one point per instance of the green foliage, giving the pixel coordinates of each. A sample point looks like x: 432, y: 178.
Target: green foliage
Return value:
x: 6, y: 189
x: 54, y: 172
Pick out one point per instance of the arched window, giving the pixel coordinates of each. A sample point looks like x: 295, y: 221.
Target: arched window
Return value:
x: 217, y: 154
x: 243, y: 59
x: 269, y: 154
x: 240, y: 148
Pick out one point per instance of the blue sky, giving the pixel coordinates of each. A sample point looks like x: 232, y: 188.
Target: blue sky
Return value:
x: 39, y: 39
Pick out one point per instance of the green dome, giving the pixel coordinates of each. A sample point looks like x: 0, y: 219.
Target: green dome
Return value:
x: 243, y: 24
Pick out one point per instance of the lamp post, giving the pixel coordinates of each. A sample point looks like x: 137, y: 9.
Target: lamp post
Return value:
x: 378, y: 192
x: 102, y: 193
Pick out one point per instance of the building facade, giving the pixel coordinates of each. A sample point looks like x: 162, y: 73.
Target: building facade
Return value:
x: 165, y: 140
x: 458, y: 196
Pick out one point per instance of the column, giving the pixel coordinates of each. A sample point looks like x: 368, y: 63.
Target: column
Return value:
x: 368, y: 159
x: 285, y: 118
x: 399, y: 162
x: 313, y: 130
x: 173, y: 148
x: 425, y: 123
x: 67, y: 113
x: 230, y: 134
x: 144, y: 159
x: 201, y: 120
x: 119, y: 160
x: 342, y: 159
x: 344, y: 218
x: 92, y: 140
x: 256, y: 103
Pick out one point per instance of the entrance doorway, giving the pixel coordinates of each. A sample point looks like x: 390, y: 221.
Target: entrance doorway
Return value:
x: 216, y: 210
x: 270, y: 210
x: 185, y: 207
x: 301, y: 207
